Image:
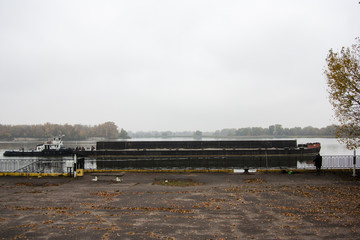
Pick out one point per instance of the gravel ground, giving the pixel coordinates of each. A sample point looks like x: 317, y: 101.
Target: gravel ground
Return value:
x: 217, y: 206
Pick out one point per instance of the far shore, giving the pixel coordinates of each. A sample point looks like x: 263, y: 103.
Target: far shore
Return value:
x: 166, y: 138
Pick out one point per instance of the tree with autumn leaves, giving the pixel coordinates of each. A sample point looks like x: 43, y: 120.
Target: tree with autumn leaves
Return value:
x: 343, y: 79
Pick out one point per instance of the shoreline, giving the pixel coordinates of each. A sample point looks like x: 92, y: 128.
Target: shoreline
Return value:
x: 215, y: 206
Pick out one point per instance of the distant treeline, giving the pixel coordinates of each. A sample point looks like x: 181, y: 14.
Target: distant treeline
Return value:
x: 109, y: 130
x: 72, y: 132
x: 272, y: 131
x: 278, y: 131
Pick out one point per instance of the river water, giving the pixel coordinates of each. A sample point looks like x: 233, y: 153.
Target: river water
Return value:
x: 329, y: 147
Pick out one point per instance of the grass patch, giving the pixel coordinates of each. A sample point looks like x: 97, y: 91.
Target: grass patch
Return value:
x: 176, y: 182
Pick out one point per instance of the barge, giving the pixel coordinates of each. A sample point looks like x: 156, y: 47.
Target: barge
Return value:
x: 185, y: 154
x: 201, y: 154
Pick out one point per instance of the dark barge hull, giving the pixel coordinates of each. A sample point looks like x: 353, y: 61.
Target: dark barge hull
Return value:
x: 44, y: 153
x: 200, y: 154
x: 122, y: 145
x: 189, y: 154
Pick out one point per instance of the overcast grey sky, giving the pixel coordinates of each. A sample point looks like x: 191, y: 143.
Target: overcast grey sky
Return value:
x: 171, y: 65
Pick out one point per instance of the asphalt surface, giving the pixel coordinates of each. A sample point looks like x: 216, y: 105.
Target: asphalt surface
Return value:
x: 218, y: 206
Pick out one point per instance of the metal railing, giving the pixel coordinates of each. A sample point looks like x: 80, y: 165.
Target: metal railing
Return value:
x: 340, y: 162
x: 12, y: 165
x: 333, y: 162
x: 61, y: 166
x: 34, y: 166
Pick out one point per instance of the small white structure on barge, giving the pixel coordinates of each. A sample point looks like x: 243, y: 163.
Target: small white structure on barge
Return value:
x: 54, y: 144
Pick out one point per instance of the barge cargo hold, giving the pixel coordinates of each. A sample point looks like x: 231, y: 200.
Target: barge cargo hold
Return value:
x: 201, y: 154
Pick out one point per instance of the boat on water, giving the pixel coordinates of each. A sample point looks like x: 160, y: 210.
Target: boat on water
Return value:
x: 185, y: 154
x: 53, y: 147
x: 201, y: 154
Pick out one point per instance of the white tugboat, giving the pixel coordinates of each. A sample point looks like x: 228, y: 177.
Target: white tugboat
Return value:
x: 54, y: 144
x: 53, y: 147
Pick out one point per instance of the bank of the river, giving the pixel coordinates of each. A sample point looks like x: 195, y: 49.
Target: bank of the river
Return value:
x: 216, y: 206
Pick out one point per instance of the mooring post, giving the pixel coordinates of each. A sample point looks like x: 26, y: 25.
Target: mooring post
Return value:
x: 354, y: 162
x: 266, y: 159
x: 75, y: 163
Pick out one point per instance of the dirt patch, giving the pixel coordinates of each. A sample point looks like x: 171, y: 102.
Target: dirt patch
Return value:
x: 255, y: 180
x: 107, y: 195
x: 177, y: 182
x: 31, y: 184
x: 222, y: 206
